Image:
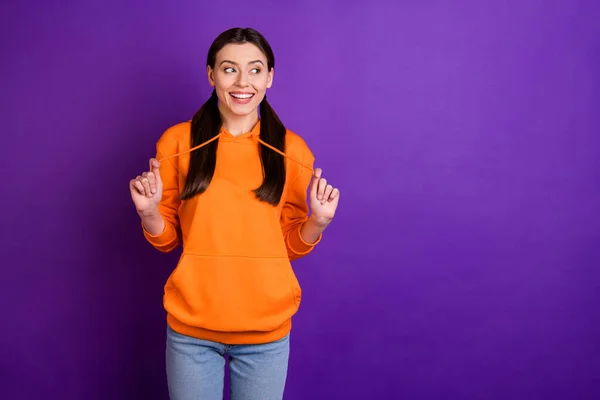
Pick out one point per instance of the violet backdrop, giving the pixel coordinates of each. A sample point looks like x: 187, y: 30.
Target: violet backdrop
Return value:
x: 464, y: 136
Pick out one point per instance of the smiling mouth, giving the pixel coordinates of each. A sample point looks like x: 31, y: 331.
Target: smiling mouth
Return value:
x: 242, y: 96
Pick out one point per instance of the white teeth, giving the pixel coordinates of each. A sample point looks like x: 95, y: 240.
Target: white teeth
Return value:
x: 242, y: 96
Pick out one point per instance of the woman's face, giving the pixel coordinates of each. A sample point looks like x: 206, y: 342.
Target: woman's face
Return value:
x: 240, y: 78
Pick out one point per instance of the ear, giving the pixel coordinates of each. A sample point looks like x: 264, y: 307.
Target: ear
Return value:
x: 270, y: 78
x: 210, y: 74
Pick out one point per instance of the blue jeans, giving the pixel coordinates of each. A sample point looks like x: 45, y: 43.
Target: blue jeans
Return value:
x: 196, y: 368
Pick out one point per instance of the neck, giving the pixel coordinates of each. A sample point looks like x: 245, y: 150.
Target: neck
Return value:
x: 238, y: 124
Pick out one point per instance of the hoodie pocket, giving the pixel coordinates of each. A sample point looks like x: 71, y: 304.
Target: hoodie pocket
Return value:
x: 232, y: 294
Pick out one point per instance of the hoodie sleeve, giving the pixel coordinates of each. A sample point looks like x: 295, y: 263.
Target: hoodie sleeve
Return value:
x: 295, y: 213
x: 170, y: 237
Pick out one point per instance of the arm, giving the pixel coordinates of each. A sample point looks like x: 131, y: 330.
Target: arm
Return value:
x: 324, y: 199
x: 312, y: 230
x: 300, y: 232
x: 153, y: 223
x: 161, y: 226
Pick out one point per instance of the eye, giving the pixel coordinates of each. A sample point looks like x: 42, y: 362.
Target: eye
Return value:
x: 229, y: 70
x: 256, y: 70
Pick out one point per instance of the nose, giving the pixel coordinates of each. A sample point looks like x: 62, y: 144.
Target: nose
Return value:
x: 242, y: 80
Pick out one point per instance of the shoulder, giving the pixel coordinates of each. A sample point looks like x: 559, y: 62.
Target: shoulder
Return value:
x: 174, y: 138
x: 177, y: 132
x: 297, y: 147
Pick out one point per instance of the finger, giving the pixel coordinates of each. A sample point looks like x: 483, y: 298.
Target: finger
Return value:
x: 155, y: 168
x: 133, y: 186
x: 153, y: 164
x: 321, y: 189
x: 138, y: 185
x: 146, y: 185
x: 328, y: 190
x: 335, y: 193
x: 315, y: 182
x: 151, y: 181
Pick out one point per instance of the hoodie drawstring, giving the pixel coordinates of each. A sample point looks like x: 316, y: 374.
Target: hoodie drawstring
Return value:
x: 219, y: 135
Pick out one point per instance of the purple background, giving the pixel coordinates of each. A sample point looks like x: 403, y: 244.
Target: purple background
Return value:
x: 464, y: 259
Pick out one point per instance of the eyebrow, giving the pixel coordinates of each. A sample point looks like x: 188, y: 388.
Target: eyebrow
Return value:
x: 234, y: 63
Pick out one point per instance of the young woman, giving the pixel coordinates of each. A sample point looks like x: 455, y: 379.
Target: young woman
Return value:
x: 231, y: 187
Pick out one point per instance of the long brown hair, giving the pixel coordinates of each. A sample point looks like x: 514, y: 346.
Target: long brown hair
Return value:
x: 206, y: 124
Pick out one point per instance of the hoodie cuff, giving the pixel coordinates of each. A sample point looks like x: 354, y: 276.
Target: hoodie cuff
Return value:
x: 298, y: 245
x: 165, y: 239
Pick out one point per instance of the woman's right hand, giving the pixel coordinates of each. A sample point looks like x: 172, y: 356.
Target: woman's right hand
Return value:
x: 146, y: 190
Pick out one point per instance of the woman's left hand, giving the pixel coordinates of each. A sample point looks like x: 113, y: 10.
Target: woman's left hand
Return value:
x: 324, y: 198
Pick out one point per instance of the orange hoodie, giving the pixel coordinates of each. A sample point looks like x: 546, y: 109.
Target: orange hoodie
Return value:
x: 234, y: 282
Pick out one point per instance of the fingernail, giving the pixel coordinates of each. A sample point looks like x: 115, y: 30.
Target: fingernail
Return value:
x: 153, y: 190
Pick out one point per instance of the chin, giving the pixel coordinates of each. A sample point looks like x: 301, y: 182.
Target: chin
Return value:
x: 244, y: 110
